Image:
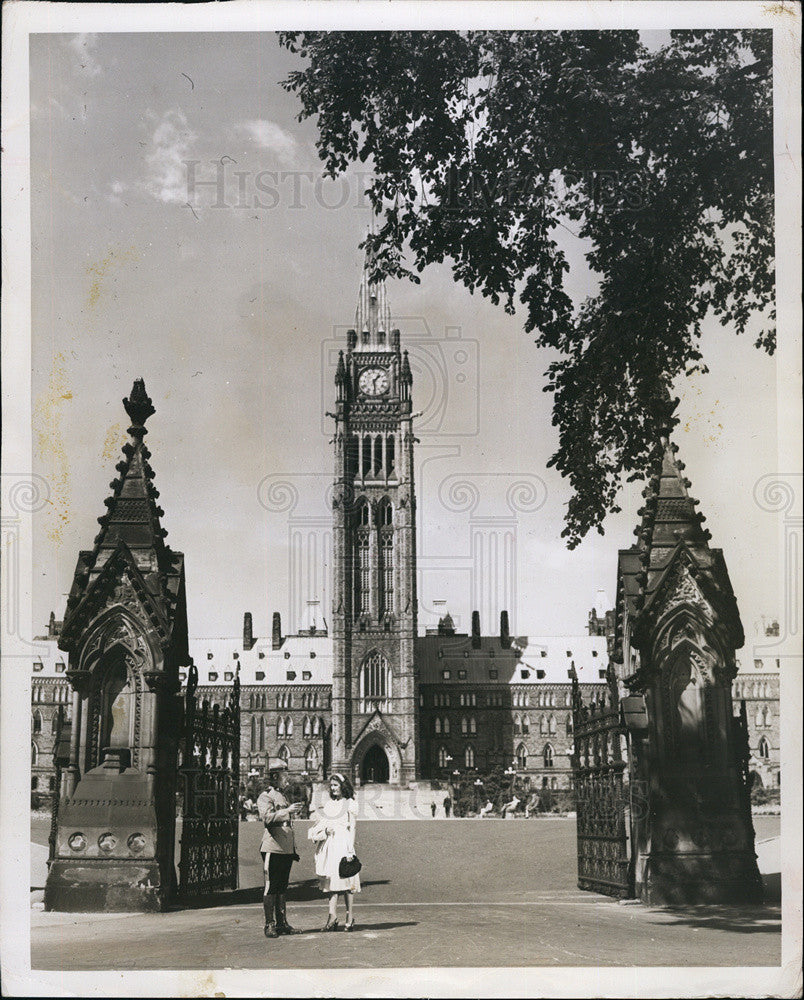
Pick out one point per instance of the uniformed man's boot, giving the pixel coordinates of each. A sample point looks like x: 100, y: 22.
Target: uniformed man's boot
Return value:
x: 270, y: 923
x: 282, y: 925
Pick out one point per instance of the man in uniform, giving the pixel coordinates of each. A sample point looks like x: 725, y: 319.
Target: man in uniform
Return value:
x: 278, y: 848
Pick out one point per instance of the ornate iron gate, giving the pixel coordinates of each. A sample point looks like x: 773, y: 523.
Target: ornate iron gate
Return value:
x: 601, y: 797
x: 209, y: 775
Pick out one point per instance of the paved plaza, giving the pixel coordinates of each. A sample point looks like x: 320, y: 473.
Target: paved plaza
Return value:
x: 439, y: 893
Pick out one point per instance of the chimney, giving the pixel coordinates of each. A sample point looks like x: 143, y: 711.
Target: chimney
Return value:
x: 51, y: 627
x: 248, y: 631
x: 475, y: 630
x: 505, y: 632
x: 276, y: 632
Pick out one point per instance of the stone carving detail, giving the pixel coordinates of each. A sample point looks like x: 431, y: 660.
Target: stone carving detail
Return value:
x: 682, y: 589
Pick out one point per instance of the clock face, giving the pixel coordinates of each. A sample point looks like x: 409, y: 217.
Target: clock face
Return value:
x: 373, y: 381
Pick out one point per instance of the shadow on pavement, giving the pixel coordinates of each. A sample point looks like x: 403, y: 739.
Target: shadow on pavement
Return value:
x: 360, y: 926
x: 746, y: 920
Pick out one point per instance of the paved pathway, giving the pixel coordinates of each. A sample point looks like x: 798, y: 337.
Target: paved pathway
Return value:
x: 467, y: 893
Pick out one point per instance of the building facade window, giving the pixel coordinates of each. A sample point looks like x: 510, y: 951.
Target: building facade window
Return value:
x: 764, y: 748
x: 521, y: 757
x: 548, y: 755
x: 469, y: 757
x: 375, y: 683
x: 442, y: 756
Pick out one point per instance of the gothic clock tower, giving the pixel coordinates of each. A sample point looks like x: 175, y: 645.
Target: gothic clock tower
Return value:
x: 374, y: 687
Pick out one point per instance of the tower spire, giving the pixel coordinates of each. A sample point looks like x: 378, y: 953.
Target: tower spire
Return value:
x: 373, y: 314
x: 133, y: 515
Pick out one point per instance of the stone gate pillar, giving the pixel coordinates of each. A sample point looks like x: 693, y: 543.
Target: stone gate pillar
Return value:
x: 678, y: 627
x: 125, y: 630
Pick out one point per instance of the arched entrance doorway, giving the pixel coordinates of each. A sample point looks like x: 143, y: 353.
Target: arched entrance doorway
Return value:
x: 375, y: 766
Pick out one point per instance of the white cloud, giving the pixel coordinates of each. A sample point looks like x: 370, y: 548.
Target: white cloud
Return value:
x: 273, y: 138
x: 82, y: 48
x: 171, y: 143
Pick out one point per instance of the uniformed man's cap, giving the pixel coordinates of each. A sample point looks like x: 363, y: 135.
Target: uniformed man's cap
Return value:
x: 276, y: 764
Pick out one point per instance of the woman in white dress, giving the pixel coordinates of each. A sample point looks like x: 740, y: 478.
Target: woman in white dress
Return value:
x: 334, y: 836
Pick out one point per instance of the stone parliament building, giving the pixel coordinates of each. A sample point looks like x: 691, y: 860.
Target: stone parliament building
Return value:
x: 370, y: 694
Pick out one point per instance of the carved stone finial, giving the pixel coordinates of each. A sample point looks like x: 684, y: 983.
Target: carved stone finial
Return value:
x: 139, y: 406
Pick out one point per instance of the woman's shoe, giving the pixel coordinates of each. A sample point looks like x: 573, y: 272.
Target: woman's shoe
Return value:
x: 349, y: 925
x: 332, y: 924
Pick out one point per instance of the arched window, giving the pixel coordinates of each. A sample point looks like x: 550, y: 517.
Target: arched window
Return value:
x: 280, y: 726
x: 442, y: 756
x: 521, y: 757
x: 472, y: 725
x: 375, y: 683
x: 315, y: 727
x: 37, y: 722
x: 542, y: 724
x: 525, y: 725
x: 284, y: 754
x: 469, y: 757
x: 288, y: 726
x: 389, y: 455
x: 569, y: 725
x: 548, y: 755
x: 464, y: 726
x: 552, y: 724
x: 251, y: 701
x: 517, y: 725
x: 54, y: 724
x: 311, y: 759
x: 765, y: 716
x: 758, y: 718
x: 262, y: 732
x: 306, y: 727
x: 362, y: 568
x: 321, y: 727
x: 253, y: 732
x: 554, y: 783
x: 386, y: 553
x: 764, y: 748
x: 437, y: 726
x: 34, y: 754
x: 446, y: 726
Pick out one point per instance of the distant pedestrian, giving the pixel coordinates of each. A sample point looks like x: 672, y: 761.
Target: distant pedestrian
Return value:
x: 447, y: 806
x: 278, y: 849
x: 334, y: 836
x: 433, y: 809
x: 509, y: 808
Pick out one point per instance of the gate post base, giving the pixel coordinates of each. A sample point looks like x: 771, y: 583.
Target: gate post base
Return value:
x: 99, y: 886
x: 729, y: 878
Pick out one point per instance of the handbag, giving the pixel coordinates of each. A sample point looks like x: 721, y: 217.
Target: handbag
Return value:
x: 349, y: 867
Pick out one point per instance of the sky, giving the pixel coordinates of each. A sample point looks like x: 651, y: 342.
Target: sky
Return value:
x: 230, y: 303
